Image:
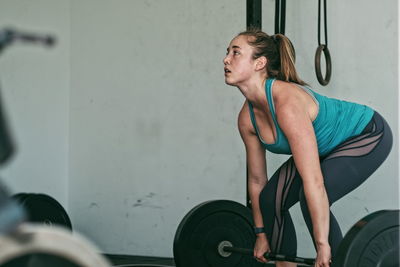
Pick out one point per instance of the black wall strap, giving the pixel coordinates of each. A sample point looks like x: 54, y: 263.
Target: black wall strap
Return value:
x: 325, y: 23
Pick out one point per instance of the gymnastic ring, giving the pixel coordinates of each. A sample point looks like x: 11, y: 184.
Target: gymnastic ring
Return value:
x: 321, y: 80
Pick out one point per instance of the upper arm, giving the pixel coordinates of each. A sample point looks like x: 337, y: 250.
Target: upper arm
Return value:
x: 296, y: 124
x: 255, y: 153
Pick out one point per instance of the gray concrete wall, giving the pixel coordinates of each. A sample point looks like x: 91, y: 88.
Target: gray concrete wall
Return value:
x: 35, y: 85
x: 153, y: 126
x: 142, y: 127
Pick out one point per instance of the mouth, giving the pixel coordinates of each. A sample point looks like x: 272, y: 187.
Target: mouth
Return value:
x: 226, y: 70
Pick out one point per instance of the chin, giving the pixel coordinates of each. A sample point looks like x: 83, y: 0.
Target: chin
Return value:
x: 229, y: 82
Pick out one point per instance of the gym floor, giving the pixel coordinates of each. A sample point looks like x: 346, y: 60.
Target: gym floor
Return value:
x: 126, y: 259
x: 118, y: 260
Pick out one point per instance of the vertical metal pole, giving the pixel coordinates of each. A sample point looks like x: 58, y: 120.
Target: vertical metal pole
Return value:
x: 248, y: 200
x: 277, y: 16
x: 283, y: 17
x: 253, y: 20
x: 253, y: 11
x: 280, y: 16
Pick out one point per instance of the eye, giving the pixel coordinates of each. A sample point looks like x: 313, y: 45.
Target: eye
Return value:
x: 236, y: 52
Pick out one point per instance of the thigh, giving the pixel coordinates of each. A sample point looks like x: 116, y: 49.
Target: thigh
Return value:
x: 352, y: 162
x: 280, y: 193
x: 282, y: 189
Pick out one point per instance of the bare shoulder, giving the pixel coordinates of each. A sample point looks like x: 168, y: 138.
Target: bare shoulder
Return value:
x: 244, y: 122
x: 286, y: 95
x: 285, y: 91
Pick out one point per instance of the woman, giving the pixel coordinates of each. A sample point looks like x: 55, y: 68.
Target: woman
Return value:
x: 335, y: 145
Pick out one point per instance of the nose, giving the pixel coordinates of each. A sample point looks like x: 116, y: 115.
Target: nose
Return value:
x: 226, y: 60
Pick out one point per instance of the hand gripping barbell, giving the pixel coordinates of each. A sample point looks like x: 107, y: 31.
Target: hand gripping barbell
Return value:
x: 220, y: 233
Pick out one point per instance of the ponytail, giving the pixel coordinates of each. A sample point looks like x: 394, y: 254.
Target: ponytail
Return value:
x: 279, y: 52
x: 287, y: 71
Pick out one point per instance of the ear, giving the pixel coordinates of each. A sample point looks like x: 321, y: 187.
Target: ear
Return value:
x: 261, y: 63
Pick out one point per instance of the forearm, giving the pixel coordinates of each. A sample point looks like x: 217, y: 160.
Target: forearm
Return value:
x: 255, y: 186
x: 318, y: 206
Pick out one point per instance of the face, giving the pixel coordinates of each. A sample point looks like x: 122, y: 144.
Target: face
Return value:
x: 239, y: 66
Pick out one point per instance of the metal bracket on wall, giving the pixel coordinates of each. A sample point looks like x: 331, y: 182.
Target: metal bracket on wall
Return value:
x: 253, y: 14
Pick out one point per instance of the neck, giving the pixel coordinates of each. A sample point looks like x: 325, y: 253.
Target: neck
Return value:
x: 254, y: 90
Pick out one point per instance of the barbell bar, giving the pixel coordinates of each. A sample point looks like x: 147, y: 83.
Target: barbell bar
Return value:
x: 228, y: 248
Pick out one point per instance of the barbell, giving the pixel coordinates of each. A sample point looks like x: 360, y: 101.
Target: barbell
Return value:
x: 46, y: 238
x: 37, y: 245
x: 216, y: 233
x: 219, y: 233
x: 43, y: 209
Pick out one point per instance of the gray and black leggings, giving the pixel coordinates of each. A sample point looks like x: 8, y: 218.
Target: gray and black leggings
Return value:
x: 343, y: 169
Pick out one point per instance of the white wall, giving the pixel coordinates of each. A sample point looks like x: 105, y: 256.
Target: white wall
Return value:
x: 129, y: 114
x: 153, y: 126
x: 35, y: 87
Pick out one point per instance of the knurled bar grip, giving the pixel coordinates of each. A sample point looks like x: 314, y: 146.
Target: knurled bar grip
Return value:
x: 270, y: 256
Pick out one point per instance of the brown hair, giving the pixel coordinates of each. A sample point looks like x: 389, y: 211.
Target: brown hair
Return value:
x: 279, y: 52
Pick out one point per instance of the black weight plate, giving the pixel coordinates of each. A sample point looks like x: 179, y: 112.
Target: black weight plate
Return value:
x: 44, y: 209
x: 372, y: 241
x: 205, y: 227
x: 20, y: 197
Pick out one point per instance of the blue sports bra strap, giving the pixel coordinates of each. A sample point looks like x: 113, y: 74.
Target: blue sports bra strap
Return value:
x: 252, y: 117
x: 268, y: 92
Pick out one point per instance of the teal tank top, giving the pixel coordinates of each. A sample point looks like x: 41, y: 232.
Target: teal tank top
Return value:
x: 337, y: 120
